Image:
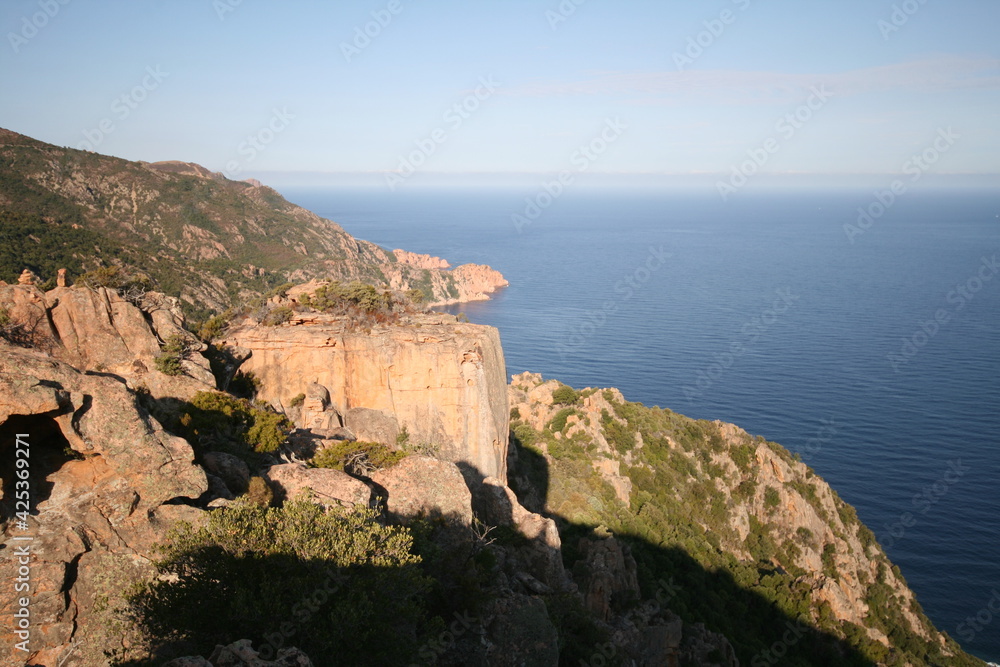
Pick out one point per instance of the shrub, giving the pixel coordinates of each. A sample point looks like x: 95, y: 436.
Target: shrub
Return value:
x: 771, y: 497
x: 213, y: 327
x: 277, y: 316
x: 130, y: 286
x: 244, y: 384
x: 174, y: 351
x: 259, y: 492
x: 252, y: 566
x: 565, y: 395
x: 359, y: 458
x: 559, y: 421
x: 218, y: 421
x: 297, y: 400
x: 417, y: 296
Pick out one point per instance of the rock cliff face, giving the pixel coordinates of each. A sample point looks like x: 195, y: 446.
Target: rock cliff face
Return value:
x: 443, y: 381
x: 106, y: 481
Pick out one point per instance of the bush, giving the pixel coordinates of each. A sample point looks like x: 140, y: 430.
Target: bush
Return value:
x: 173, y: 352
x: 771, y: 497
x: 277, y: 316
x: 559, y: 421
x: 252, y: 567
x: 219, y: 421
x: 297, y: 400
x: 565, y: 395
x: 259, y: 492
x: 359, y: 458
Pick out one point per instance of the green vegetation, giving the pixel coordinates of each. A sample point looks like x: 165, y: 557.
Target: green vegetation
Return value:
x: 678, y: 524
x: 351, y: 586
x: 360, y: 458
x: 216, y: 421
x: 173, y: 352
x: 206, y: 240
x: 297, y: 400
x: 565, y: 395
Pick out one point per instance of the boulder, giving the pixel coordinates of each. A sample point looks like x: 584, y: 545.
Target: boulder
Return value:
x: 230, y: 469
x: 330, y: 487
x: 423, y: 486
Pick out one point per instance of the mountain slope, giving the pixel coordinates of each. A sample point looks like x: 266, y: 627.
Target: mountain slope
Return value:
x: 211, y: 241
x: 695, y: 496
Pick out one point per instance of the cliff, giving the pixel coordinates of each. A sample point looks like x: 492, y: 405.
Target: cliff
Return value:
x: 208, y: 240
x: 442, y: 381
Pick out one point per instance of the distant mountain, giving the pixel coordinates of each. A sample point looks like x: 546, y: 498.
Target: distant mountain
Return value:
x: 198, y: 235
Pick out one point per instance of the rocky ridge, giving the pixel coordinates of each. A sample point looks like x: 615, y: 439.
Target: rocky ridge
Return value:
x: 208, y: 240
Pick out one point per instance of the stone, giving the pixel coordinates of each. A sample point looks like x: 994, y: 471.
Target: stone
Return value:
x: 27, y: 277
x: 370, y: 425
x: 328, y: 486
x: 422, y: 486
x: 61, y: 278
x: 496, y: 505
x: 233, y: 472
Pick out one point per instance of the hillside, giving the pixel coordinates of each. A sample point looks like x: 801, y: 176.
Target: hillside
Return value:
x: 213, y: 242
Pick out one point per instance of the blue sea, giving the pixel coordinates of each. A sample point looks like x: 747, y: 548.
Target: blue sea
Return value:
x: 874, y: 351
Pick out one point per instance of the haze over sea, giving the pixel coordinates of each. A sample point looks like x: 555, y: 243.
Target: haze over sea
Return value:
x: 762, y: 311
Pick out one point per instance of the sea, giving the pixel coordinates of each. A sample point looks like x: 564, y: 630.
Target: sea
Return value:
x: 862, y: 334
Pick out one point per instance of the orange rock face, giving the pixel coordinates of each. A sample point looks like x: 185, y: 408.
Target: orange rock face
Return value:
x: 445, y: 382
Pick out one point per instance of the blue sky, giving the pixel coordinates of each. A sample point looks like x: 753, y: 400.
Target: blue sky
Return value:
x: 203, y: 78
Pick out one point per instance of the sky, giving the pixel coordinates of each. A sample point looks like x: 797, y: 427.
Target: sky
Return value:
x: 484, y: 89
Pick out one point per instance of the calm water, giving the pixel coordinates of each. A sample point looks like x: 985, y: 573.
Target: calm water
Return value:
x: 762, y: 312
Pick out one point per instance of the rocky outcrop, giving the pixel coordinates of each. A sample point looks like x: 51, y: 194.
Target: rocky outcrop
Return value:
x: 107, y: 483
x: 420, y: 261
x: 420, y: 486
x: 326, y: 486
x: 443, y: 381
x: 475, y: 282
x: 98, y: 330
